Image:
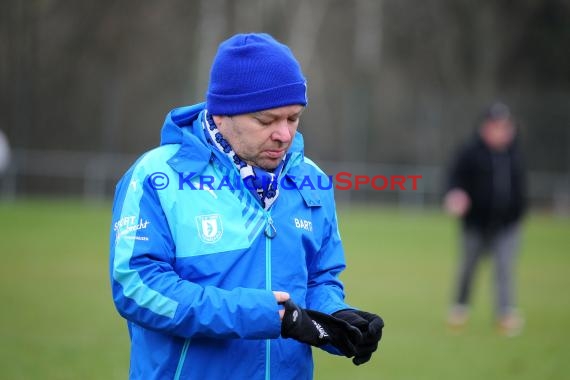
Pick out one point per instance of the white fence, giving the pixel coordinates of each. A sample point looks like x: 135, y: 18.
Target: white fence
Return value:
x: 93, y: 176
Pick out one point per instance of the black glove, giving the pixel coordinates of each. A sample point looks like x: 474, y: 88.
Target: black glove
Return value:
x: 370, y: 325
x: 318, y: 329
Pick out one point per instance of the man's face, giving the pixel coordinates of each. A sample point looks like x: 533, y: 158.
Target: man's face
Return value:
x: 262, y: 138
x: 498, y: 134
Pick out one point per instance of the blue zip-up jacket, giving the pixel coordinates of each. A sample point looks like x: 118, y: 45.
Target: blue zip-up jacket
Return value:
x: 193, y: 267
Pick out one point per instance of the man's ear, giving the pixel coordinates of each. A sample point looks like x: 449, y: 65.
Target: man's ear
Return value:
x: 218, y: 120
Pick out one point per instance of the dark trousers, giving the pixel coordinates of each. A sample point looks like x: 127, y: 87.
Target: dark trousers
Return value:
x: 503, y: 245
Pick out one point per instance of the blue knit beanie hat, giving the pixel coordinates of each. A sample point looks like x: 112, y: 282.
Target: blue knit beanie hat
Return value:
x: 254, y: 72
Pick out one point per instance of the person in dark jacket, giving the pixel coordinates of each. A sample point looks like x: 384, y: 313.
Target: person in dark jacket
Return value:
x: 486, y: 189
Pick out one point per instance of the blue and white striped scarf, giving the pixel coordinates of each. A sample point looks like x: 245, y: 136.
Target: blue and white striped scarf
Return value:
x: 263, y: 184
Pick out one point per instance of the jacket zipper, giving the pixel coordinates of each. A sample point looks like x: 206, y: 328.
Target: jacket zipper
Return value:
x: 270, y: 233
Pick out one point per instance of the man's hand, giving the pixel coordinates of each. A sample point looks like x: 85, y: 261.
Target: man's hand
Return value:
x: 370, y: 325
x: 281, y: 297
x: 457, y: 202
x: 319, y: 329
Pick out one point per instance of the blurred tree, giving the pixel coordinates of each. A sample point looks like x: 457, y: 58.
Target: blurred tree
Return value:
x: 397, y: 81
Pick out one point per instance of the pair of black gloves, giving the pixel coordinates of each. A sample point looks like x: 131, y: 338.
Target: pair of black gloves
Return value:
x: 354, y: 333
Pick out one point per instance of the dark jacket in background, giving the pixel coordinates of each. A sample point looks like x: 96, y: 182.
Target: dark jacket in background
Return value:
x: 494, y: 181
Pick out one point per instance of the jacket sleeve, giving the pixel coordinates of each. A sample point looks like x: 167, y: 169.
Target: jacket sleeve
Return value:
x: 325, y: 290
x: 148, y: 291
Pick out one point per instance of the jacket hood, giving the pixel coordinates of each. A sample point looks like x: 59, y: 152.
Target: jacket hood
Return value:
x: 177, y: 119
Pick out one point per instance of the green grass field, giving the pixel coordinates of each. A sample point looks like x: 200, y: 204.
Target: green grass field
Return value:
x: 58, y: 320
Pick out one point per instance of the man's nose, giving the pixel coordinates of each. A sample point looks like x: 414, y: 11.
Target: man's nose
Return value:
x: 282, y: 132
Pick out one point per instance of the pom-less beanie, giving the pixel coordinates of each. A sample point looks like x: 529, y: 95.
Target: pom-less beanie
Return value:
x: 254, y: 72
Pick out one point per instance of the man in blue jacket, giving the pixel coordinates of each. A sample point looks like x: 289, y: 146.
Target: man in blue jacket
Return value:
x: 222, y: 223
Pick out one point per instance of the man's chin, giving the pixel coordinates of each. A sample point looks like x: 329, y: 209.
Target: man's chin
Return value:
x: 269, y: 164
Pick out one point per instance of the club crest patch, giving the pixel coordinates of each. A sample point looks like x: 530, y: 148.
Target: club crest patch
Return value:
x: 210, y: 227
